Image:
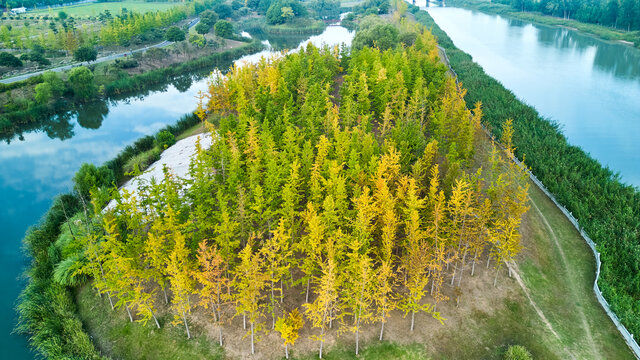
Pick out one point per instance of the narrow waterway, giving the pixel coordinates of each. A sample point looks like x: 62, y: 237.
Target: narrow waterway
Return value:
x: 590, y: 87
x: 40, y: 165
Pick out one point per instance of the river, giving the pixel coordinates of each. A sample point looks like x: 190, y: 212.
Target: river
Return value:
x: 40, y: 164
x: 589, y: 86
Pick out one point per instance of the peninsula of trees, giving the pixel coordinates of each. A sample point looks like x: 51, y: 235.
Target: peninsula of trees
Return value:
x: 345, y: 175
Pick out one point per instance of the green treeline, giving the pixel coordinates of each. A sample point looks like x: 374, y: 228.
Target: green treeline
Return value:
x: 622, y: 14
x: 608, y: 210
x: 602, y: 29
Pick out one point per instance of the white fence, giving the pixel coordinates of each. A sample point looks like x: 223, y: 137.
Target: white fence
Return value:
x: 628, y: 337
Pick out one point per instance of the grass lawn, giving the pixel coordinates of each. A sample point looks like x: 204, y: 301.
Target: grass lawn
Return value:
x: 93, y: 9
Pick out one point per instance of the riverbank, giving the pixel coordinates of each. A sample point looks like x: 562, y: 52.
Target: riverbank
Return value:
x: 27, y: 114
x: 47, y: 312
x: 631, y: 38
x: 607, y: 209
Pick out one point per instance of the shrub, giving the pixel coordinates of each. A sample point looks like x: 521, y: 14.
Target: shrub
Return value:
x: 43, y: 93
x: 9, y: 60
x: 223, y: 10
x: 82, y: 83
x: 91, y: 177
x: 36, y: 57
x: 283, y: 10
x: 175, y: 34
x: 125, y: 63
x: 203, y: 28
x: 85, y: 53
x: 197, y: 40
x: 517, y: 352
x: 164, y: 139
x: 224, y: 29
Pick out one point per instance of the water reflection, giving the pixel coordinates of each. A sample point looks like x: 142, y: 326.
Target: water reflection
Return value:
x: 91, y: 115
x: 589, y: 86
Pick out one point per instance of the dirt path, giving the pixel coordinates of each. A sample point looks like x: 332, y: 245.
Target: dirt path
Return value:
x: 572, y: 282
x: 513, y: 267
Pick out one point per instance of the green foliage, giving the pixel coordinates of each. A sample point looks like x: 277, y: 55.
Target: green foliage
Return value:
x: 164, y: 139
x: 85, y: 53
x: 142, y: 161
x: 43, y: 93
x: 223, y: 10
x: 282, y: 11
x: 10, y: 60
x: 90, y: 177
x: 174, y: 34
x: 375, y: 32
x: 82, y: 83
x: 203, y: 28
x: 208, y: 17
x: 46, y: 309
x: 36, y: 57
x: 326, y: 9
x: 197, y: 40
x: 224, y: 29
x: 372, y: 7
x: 517, y: 352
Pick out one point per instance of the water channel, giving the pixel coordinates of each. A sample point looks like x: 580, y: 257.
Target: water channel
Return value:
x: 589, y: 86
x: 38, y: 165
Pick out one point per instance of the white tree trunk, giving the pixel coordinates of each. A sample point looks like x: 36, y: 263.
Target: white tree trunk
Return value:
x: 184, y: 317
x: 413, y: 317
x: 253, y: 351
x: 128, y: 312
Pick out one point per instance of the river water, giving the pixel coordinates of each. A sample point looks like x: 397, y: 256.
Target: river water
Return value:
x: 40, y: 164
x: 590, y: 87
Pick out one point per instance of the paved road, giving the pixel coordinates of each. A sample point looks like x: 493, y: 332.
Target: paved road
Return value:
x: 165, y: 43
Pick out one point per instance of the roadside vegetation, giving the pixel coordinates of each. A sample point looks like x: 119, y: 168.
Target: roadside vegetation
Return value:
x: 610, y: 20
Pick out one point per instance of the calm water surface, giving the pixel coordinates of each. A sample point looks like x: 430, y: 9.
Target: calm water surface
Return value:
x: 40, y: 166
x: 589, y: 86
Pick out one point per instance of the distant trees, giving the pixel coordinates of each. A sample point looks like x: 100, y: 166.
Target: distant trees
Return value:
x: 223, y: 11
x: 174, y: 34
x: 624, y: 14
x: 203, y: 28
x: 208, y: 17
x: 9, y: 60
x: 282, y: 11
x: 81, y: 81
x: 224, y: 29
x: 374, y: 32
x: 85, y: 53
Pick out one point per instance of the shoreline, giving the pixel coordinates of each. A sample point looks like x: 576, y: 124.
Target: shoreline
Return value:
x: 598, y: 31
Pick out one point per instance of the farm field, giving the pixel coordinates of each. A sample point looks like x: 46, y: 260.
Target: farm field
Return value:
x: 93, y: 9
